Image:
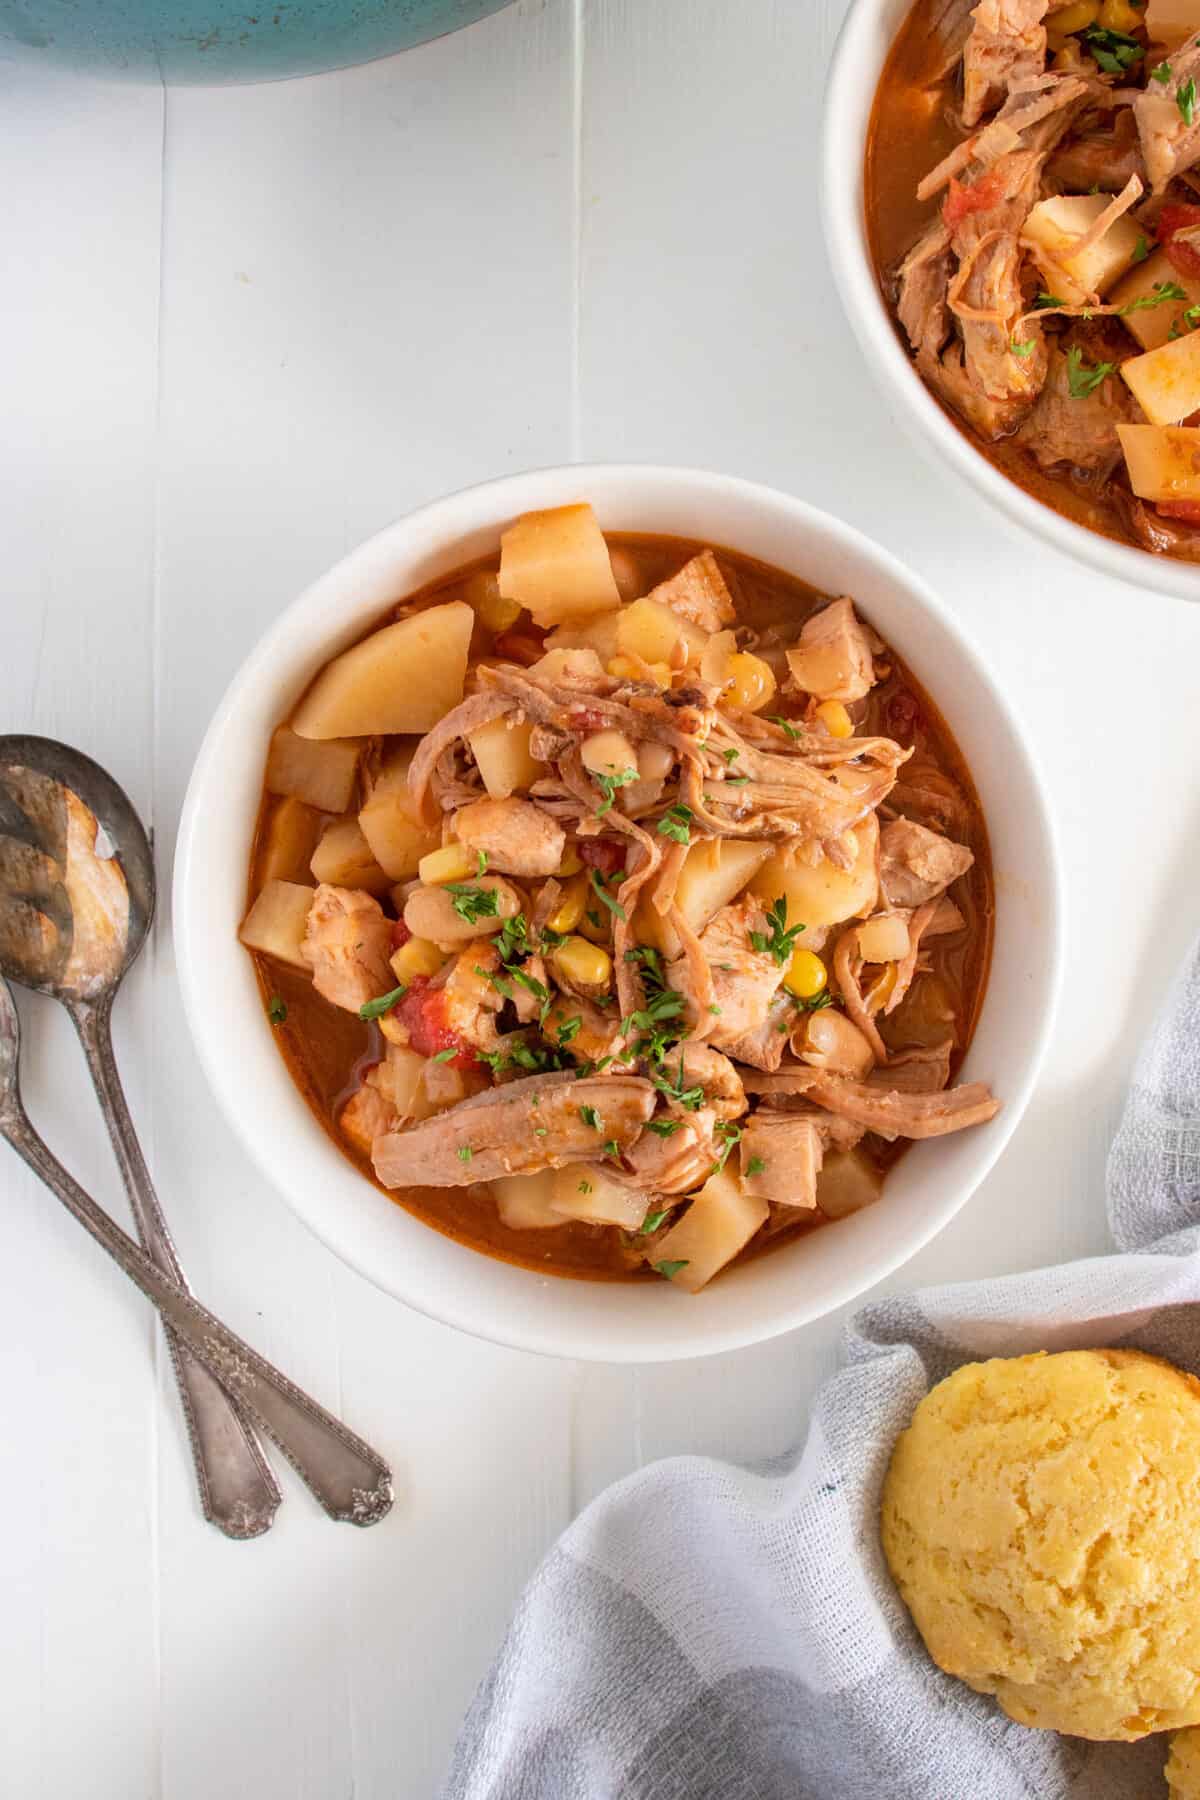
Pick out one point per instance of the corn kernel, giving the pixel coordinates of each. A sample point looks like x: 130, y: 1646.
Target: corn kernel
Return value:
x: 571, y: 862
x: 570, y: 907
x: 749, y: 681
x: 582, y: 964
x: 660, y: 674
x: 453, y: 862
x: 806, y: 975
x: 624, y: 668
x: 1119, y: 15
x: 418, y: 957
x: 835, y: 719
x: 1073, y: 17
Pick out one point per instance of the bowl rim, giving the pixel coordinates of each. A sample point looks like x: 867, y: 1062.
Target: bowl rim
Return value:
x: 521, y: 1328
x: 848, y: 103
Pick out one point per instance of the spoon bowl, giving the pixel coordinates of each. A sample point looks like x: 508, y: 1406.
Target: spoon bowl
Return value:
x: 41, y: 836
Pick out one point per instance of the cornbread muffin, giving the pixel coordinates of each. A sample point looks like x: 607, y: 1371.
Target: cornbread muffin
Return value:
x: 1183, y: 1766
x: 1041, y: 1516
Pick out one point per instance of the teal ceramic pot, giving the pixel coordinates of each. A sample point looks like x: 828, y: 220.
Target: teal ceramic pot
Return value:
x: 224, y: 40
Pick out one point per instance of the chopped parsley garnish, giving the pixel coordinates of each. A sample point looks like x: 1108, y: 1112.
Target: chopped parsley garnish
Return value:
x: 715, y: 1010
x: 590, y: 1117
x: 585, y: 1187
x: 602, y: 893
x: 481, y: 864
x: 1141, y: 249
x: 778, y: 719
x: 613, y: 1149
x: 1084, y: 378
x: 608, y: 785
x: 530, y: 983
x: 675, y: 822
x: 514, y: 938
x: 496, y: 1060
x: 1161, y: 73
x: 728, y: 1134
x: 665, y: 1004
x: 375, y: 1009
x: 445, y: 1055
x: 539, y: 1131
x: 465, y: 1153
x: 736, y: 780
x: 731, y: 756
x: 816, y: 1003
x: 538, y: 1060
x: 594, y: 918
x: 497, y: 981
x: 1024, y: 349
x: 1162, y: 290
x: 665, y: 1128
x: 755, y: 1166
x: 473, y: 903
x: 593, y: 1068
x: 1044, y: 300
x: 569, y: 1030
x: 276, y: 1010
x: 652, y: 1221
x: 1185, y: 99
x: 1113, y: 51
x: 670, y: 1269
x: 778, y: 940
x: 650, y: 961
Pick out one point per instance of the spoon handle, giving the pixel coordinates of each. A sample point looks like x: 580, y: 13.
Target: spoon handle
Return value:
x: 349, y: 1479
x: 238, y: 1492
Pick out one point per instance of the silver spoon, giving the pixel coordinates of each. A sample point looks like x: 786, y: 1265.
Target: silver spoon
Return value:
x: 71, y: 922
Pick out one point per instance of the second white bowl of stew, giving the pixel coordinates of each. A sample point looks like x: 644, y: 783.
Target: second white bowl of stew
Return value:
x: 1012, y: 204
x: 619, y: 911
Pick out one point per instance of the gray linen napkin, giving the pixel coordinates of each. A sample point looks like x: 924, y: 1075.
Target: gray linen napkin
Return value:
x: 702, y: 1632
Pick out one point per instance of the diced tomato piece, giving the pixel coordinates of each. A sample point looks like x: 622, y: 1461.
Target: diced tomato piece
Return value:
x: 963, y: 198
x: 1181, y: 254
x: 423, y: 1012
x: 605, y: 854
x: 519, y: 647
x: 1187, y: 510
x: 400, y: 934
x: 586, y: 718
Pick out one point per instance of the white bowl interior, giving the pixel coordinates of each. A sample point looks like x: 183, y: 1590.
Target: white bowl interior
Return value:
x: 861, y: 52
x: 619, y: 1322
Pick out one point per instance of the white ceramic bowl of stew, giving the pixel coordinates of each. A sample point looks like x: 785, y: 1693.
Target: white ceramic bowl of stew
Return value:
x: 862, y: 49
x: 610, y: 1321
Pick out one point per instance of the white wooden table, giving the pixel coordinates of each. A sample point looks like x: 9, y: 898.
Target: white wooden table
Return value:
x: 241, y: 330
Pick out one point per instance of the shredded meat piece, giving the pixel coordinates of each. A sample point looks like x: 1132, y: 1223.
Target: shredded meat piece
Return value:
x: 832, y: 659
x: 921, y: 282
x: 882, y: 1108
x: 1080, y: 432
x: 724, y: 1095
x: 1164, y: 536
x: 466, y: 717
x: 846, y: 967
x: 1007, y: 45
x: 506, y: 1133
x: 920, y: 1071
x: 915, y: 863
x: 674, y: 1164
x: 906, y: 968
x: 1169, y: 144
x: 764, y: 1048
x: 366, y: 1115
x: 1100, y: 161
x: 781, y: 1157
x: 744, y: 980
x: 347, y: 944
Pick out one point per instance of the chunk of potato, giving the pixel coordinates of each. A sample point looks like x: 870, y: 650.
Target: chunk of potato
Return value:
x: 586, y: 1191
x: 320, y: 774
x: 501, y: 752
x: 396, y: 838
x: 401, y: 1078
x: 822, y: 894
x: 404, y: 677
x: 1170, y: 22
x: 276, y: 923
x: 1151, y: 325
x: 847, y: 1183
x: 1054, y: 225
x: 343, y: 858
x: 574, y: 665
x: 288, y: 842
x: 1166, y: 382
x: 599, y: 633
x: 720, y: 1221
x: 713, y: 874
x: 1163, y: 460
x: 883, y: 940
x: 526, y: 1202
x: 556, y: 564
x: 648, y: 629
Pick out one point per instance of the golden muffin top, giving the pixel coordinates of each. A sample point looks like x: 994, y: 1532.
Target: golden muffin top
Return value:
x: 1041, y: 1516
